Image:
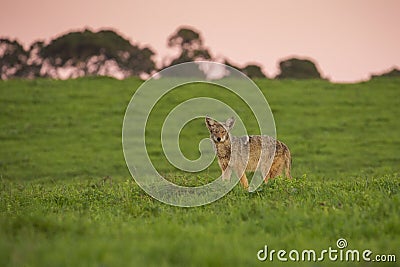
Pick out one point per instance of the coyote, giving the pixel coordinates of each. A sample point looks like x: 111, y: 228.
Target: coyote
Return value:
x: 243, y: 153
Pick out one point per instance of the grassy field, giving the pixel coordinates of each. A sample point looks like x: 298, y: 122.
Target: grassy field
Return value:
x: 67, y: 198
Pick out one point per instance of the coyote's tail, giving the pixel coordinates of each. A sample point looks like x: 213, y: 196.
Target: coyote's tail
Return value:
x: 288, y: 163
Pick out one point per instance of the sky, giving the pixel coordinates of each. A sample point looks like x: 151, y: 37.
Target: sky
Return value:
x: 348, y: 39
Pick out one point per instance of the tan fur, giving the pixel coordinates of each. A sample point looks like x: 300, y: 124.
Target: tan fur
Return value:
x: 248, y: 153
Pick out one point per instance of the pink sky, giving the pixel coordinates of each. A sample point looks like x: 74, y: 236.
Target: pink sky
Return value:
x: 349, y: 39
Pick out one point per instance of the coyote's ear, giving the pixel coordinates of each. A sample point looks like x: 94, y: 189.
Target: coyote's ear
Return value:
x: 229, y: 123
x: 209, y: 122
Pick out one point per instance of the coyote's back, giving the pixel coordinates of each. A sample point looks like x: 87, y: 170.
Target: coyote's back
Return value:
x: 254, y: 152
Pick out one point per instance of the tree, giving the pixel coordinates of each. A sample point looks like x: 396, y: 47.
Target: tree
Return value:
x: 13, y: 58
x: 394, y: 72
x: 253, y: 71
x: 190, y: 45
x: 93, y: 53
x: 230, y: 64
x: 186, y: 38
x: 77, y: 53
x: 295, y: 68
x: 33, y: 67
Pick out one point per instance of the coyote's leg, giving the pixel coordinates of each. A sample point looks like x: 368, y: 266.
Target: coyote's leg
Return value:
x: 288, y: 165
x: 275, y: 170
x: 244, y: 182
x: 240, y: 172
x: 266, y: 177
x: 279, y: 169
x: 226, y: 174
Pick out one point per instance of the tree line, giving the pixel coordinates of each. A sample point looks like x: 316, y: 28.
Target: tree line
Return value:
x: 75, y: 54
x: 105, y: 52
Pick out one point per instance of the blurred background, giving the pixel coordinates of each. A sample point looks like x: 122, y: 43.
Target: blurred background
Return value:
x: 343, y: 41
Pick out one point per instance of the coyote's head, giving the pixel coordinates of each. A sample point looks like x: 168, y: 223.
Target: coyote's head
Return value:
x: 219, y: 131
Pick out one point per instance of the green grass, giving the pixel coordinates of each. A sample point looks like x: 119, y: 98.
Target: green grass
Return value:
x: 59, y: 139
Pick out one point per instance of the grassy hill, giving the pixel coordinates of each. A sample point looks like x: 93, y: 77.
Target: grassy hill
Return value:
x: 60, y: 140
